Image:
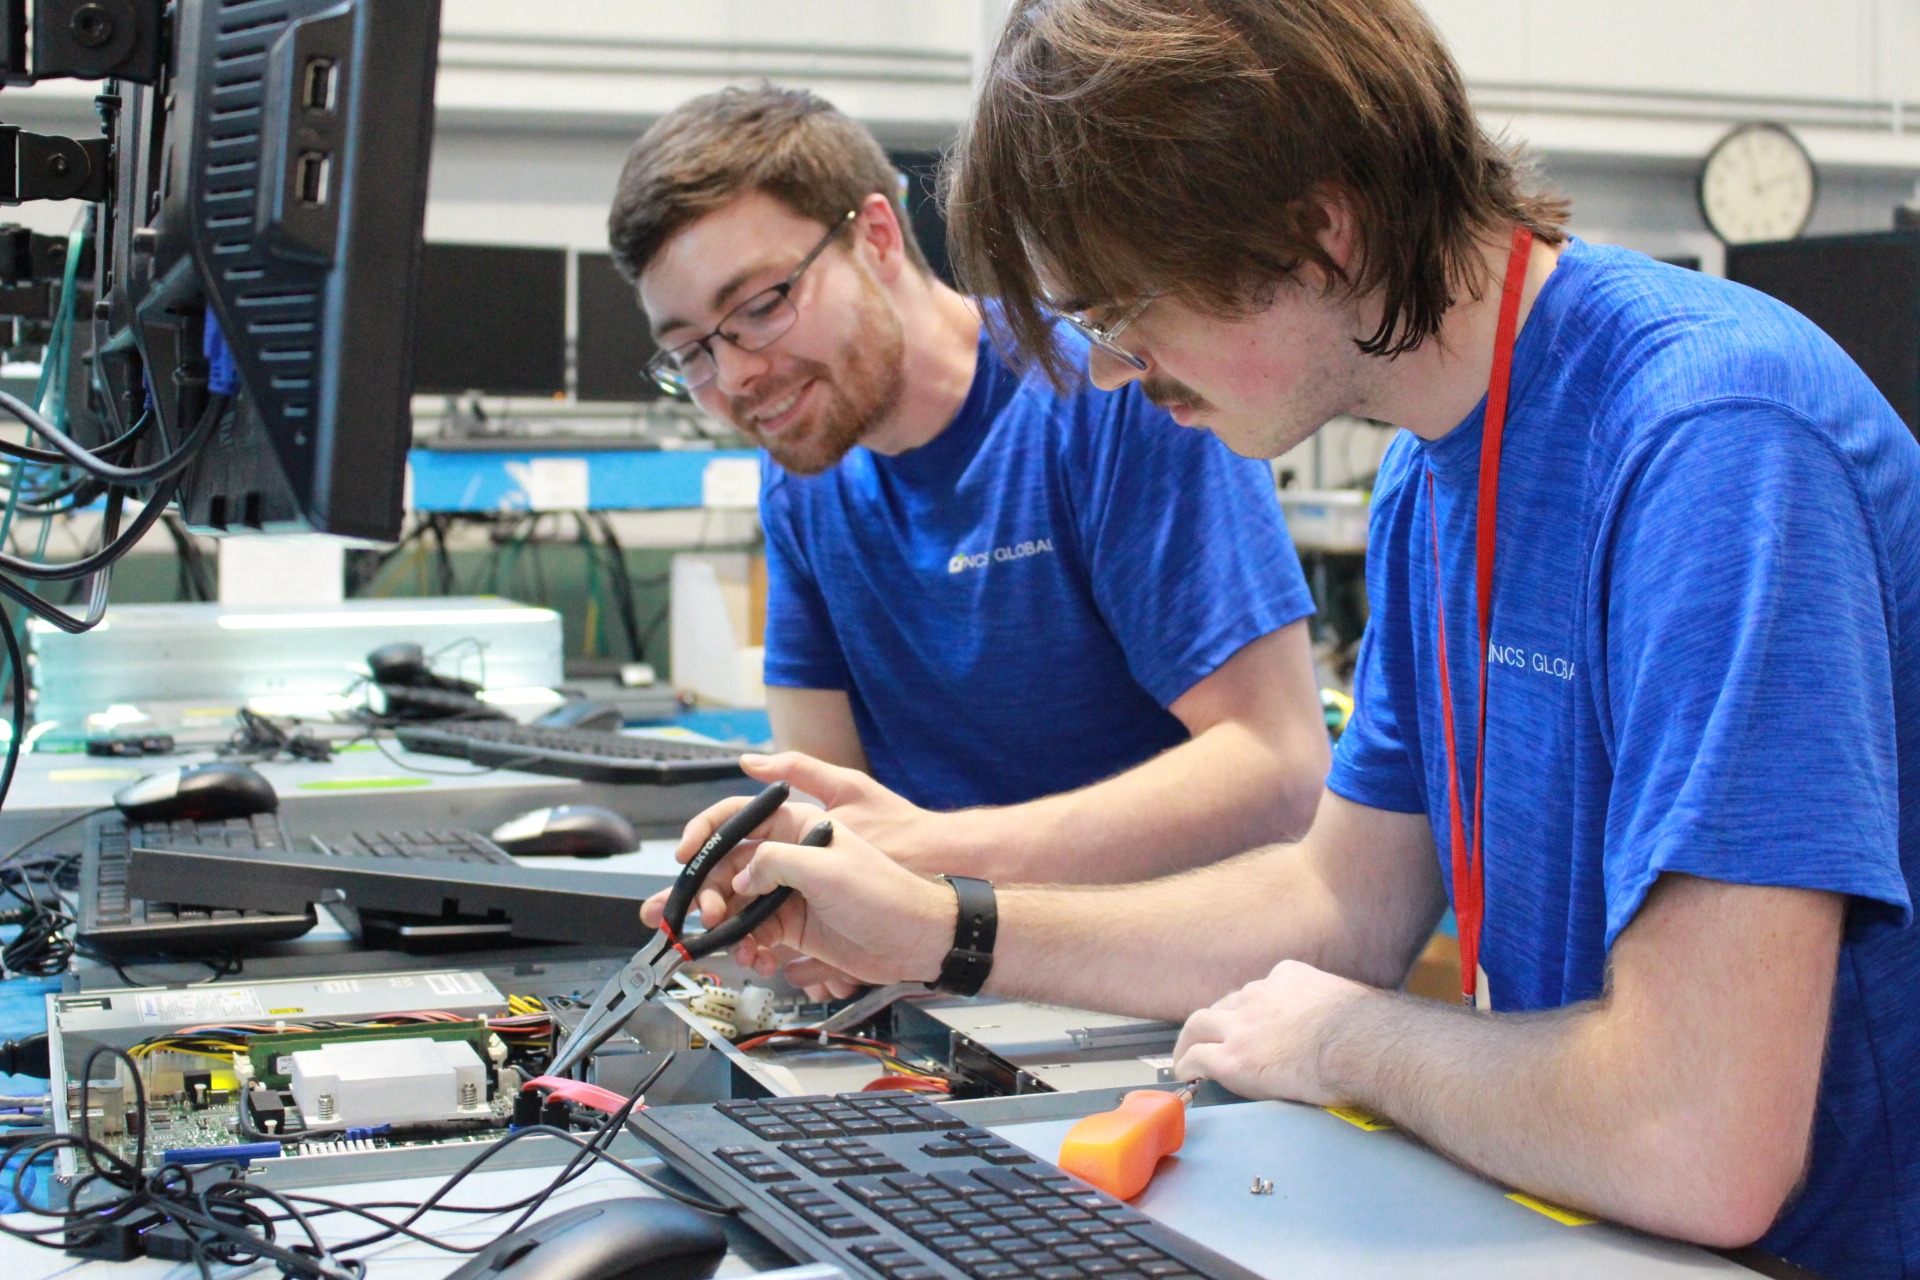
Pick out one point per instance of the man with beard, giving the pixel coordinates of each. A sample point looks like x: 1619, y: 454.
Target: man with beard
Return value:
x: 1011, y: 631
x: 1640, y: 691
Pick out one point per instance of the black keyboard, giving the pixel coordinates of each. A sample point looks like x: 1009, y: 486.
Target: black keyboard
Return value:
x: 112, y: 922
x: 892, y: 1186
x: 432, y: 846
x: 591, y: 755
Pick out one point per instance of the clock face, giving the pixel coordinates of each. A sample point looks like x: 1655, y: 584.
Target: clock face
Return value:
x: 1757, y: 184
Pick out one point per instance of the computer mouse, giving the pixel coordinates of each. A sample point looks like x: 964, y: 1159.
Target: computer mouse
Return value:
x: 200, y: 791
x: 584, y: 713
x: 568, y: 830
x: 401, y: 662
x: 631, y: 1238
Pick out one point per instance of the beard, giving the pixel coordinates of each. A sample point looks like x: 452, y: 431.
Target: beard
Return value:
x: 848, y: 401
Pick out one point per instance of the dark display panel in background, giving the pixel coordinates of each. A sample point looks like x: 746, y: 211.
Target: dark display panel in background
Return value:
x: 492, y: 319
x: 1864, y: 290
x: 611, y: 342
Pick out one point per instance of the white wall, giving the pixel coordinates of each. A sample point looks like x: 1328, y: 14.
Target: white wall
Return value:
x: 1619, y: 101
x: 538, y: 101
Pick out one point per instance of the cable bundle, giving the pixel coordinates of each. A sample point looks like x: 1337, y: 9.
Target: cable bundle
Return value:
x: 208, y: 1214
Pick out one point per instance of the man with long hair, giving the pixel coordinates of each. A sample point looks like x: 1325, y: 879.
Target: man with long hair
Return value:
x: 1640, y: 694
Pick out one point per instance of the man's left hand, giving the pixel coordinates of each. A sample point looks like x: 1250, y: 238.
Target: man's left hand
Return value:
x: 916, y: 838
x: 1266, y: 1040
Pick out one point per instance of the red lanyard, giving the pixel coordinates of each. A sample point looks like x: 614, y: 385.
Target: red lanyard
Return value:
x: 1469, y: 872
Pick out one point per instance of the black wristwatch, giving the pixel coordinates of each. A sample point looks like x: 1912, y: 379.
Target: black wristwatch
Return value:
x: 966, y: 967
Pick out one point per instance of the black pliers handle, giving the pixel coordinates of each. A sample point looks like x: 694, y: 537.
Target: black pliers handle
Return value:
x: 726, y: 837
x: 648, y: 972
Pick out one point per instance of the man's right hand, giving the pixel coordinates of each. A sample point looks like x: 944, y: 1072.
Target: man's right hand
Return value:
x: 853, y: 908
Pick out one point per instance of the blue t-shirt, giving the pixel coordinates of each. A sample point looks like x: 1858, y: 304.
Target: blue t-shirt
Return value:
x: 1705, y: 659
x: 1012, y: 606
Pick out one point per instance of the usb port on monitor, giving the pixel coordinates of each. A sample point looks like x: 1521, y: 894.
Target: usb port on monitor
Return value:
x: 312, y: 177
x: 316, y: 86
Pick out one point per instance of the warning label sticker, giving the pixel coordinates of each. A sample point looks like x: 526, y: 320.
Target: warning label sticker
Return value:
x: 207, y: 1005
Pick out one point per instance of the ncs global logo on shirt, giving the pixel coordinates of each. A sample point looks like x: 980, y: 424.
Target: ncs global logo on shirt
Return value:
x: 963, y: 561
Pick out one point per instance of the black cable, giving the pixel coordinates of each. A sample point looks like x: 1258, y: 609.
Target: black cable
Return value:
x: 194, y: 581
x: 112, y: 547
x: 54, y: 830
x: 72, y: 452
x: 19, y: 723
x: 623, y: 585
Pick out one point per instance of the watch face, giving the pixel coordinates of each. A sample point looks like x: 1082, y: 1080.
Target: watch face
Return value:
x: 1757, y: 184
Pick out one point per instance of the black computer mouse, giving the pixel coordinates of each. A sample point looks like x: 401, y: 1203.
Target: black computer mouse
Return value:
x: 568, y: 830
x: 200, y: 791
x: 632, y: 1238
x: 584, y: 713
x: 401, y: 662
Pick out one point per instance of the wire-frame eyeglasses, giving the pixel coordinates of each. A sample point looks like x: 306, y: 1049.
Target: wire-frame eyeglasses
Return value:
x: 755, y: 324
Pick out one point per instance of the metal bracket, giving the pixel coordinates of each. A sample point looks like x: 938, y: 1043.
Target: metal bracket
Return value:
x: 39, y: 166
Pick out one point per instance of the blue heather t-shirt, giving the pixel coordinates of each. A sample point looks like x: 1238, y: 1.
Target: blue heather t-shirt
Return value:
x: 1012, y: 607
x: 1705, y: 659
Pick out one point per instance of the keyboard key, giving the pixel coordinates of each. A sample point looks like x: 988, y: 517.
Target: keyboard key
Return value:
x: 1123, y: 1217
x: 839, y: 1226
x: 882, y: 1256
x: 911, y: 1182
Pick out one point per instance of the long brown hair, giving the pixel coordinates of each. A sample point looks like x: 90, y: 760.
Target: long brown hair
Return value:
x: 1184, y: 147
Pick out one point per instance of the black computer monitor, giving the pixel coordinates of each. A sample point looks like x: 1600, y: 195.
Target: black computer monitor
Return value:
x: 611, y: 343
x: 1864, y: 290
x: 272, y: 192
x: 493, y: 318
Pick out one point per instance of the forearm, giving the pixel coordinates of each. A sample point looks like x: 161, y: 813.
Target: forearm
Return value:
x: 1681, y: 1103
x: 1167, y: 947
x: 1227, y: 790
x: 1534, y: 1102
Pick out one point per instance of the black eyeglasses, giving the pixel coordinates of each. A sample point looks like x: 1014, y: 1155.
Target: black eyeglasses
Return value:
x: 753, y: 325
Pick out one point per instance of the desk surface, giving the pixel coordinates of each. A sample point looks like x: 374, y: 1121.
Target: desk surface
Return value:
x: 1345, y: 1203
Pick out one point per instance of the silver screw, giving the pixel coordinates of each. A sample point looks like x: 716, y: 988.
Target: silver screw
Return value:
x: 1261, y: 1186
x: 325, y: 1111
x: 469, y: 1095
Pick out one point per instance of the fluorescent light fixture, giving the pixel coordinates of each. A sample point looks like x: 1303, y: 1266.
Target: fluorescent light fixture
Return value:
x: 382, y: 618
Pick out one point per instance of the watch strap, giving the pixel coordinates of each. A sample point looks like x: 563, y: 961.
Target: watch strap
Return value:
x: 965, y: 969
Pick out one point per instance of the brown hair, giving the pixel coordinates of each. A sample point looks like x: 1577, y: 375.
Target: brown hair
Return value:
x: 1178, y: 147
x: 789, y: 143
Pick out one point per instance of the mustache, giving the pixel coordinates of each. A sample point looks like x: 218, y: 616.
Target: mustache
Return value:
x: 1166, y: 393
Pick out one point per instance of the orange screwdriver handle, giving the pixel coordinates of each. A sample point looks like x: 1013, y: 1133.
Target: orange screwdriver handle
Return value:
x: 1117, y: 1151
